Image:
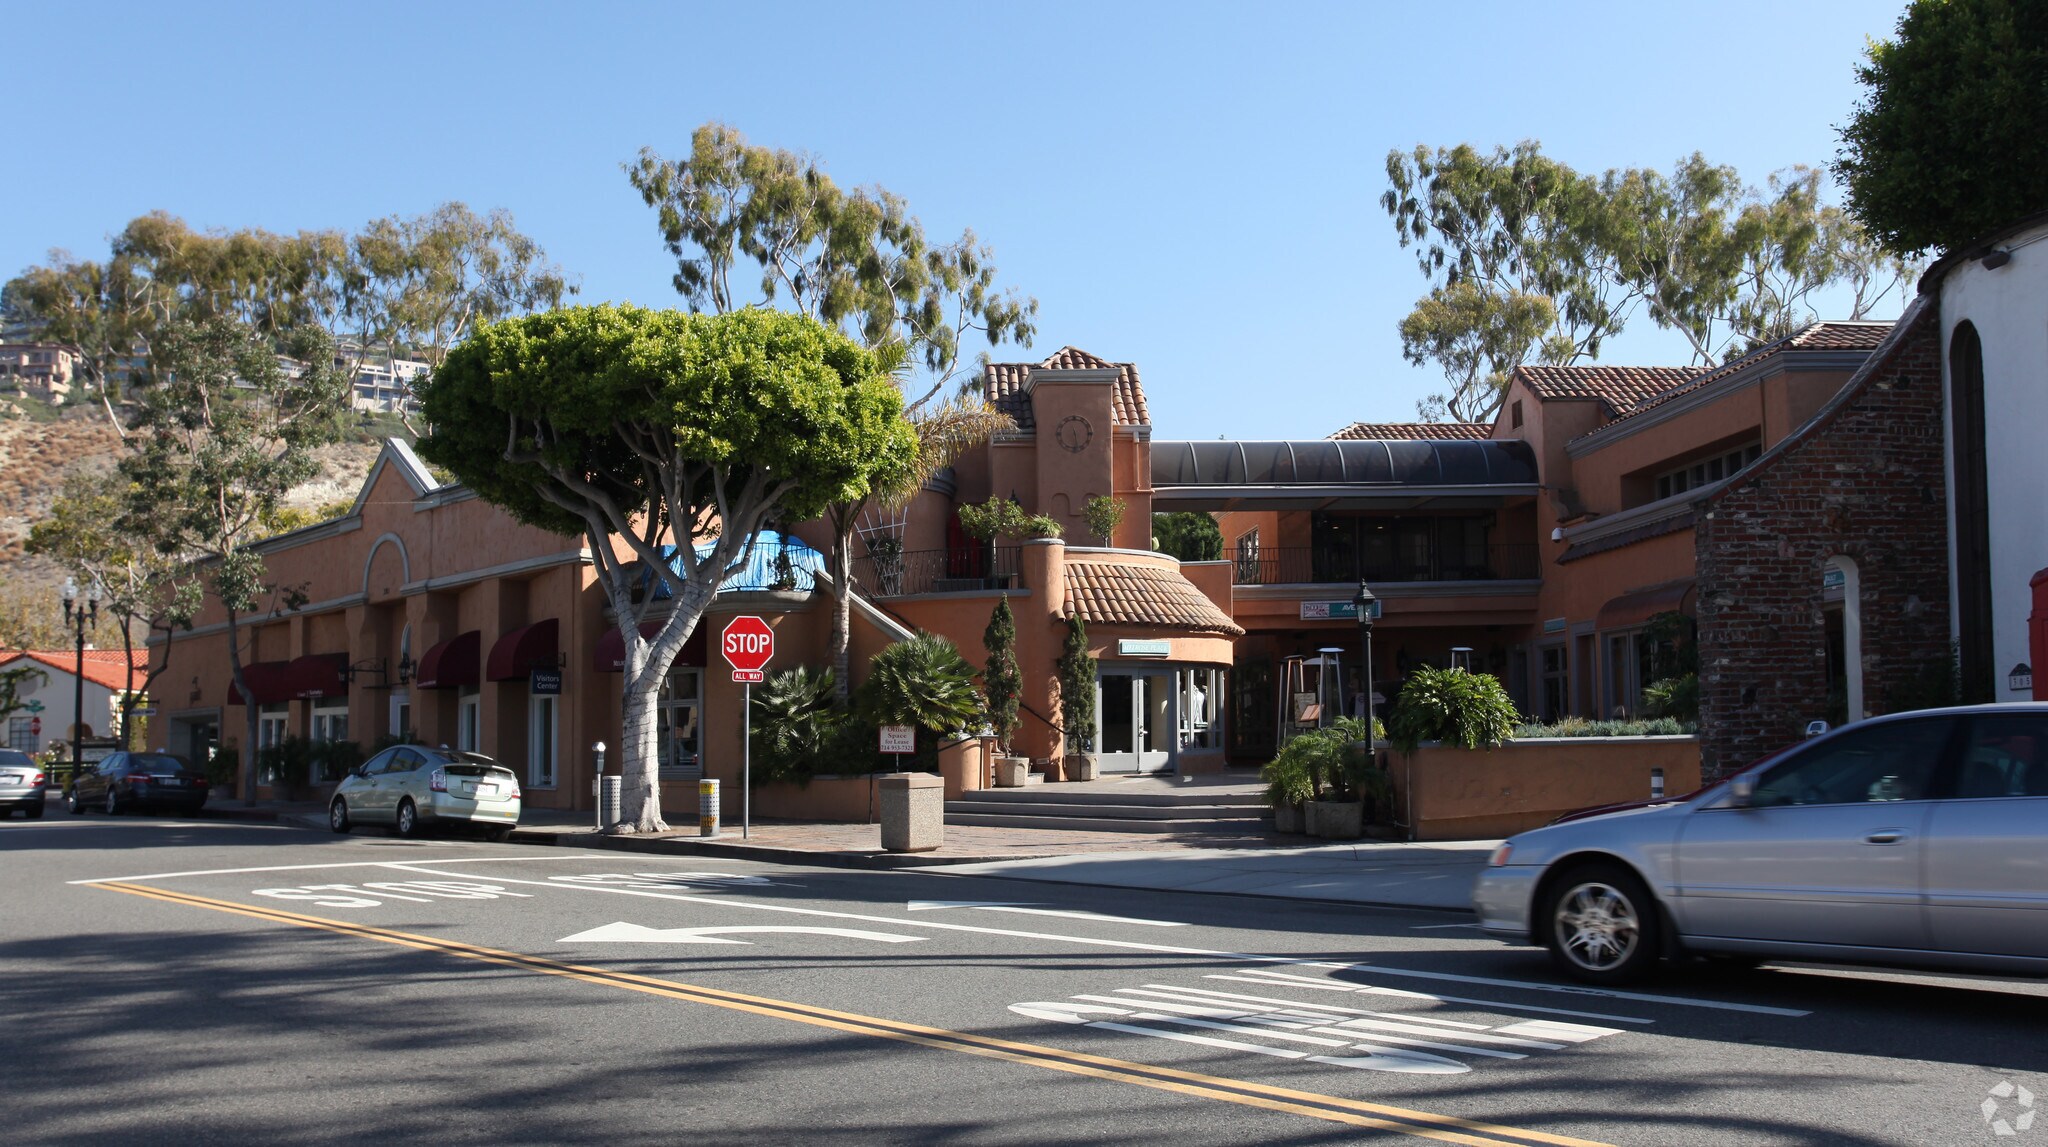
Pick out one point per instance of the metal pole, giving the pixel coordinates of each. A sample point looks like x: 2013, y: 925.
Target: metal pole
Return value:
x: 746, y: 760
x: 78, y: 701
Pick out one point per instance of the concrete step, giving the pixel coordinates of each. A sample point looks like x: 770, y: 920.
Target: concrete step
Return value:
x: 1055, y: 808
x: 1122, y: 795
x: 1231, y: 825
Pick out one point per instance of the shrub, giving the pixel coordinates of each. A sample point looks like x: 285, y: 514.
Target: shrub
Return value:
x: 1469, y: 710
x: 333, y: 760
x: 1004, y: 517
x: 1581, y: 727
x: 795, y: 727
x: 923, y: 682
x: 1103, y: 514
x: 1077, y: 689
x: 290, y: 761
x: 1674, y: 697
x: 1334, y: 763
x: 1002, y: 681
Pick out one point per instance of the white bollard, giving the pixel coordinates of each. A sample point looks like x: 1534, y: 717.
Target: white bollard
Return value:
x: 707, y: 808
x: 1656, y: 784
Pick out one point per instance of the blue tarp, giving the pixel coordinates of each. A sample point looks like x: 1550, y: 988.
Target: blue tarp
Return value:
x: 764, y: 568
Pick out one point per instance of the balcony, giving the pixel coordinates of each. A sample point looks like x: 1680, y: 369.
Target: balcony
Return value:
x: 937, y: 571
x: 1296, y: 565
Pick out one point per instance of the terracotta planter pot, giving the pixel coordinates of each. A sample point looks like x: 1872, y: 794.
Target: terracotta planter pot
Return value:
x: 1338, y: 820
x: 1011, y: 771
x: 1287, y: 818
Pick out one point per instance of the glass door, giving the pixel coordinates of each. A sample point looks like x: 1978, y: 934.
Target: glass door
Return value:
x: 1137, y: 715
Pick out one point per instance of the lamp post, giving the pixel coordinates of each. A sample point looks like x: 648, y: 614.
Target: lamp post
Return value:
x: 79, y: 617
x: 1365, y: 602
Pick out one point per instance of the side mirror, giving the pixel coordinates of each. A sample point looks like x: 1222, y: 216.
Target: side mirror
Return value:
x: 1816, y: 728
x: 1740, y: 791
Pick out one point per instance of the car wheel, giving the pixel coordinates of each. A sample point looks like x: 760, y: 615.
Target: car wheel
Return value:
x: 337, y: 815
x: 408, y: 822
x: 35, y: 813
x: 6, y: 813
x: 497, y: 835
x: 114, y: 805
x: 77, y: 806
x: 1600, y: 924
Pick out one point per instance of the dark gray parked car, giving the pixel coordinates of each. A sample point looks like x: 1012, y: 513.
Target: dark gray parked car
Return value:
x: 125, y: 782
x: 23, y: 784
x: 1918, y: 839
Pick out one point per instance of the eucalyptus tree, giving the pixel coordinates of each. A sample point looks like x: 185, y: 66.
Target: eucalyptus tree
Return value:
x: 637, y: 429
x: 857, y: 260
x: 222, y: 434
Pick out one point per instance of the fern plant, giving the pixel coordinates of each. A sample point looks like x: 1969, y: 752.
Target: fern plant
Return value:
x: 1468, y: 710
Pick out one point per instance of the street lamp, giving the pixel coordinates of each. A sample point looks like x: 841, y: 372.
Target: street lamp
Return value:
x: 79, y: 617
x: 1365, y: 602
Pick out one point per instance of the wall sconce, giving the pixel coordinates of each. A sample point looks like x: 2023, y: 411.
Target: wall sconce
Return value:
x: 406, y: 665
x: 1994, y: 259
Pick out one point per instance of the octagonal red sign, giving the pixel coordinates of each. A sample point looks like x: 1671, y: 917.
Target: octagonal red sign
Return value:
x: 747, y: 643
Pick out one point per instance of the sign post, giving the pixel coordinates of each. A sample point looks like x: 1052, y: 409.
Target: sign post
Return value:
x: 748, y: 645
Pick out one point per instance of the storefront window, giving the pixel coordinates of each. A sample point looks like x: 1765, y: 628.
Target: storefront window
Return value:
x: 1201, y: 707
x: 676, y: 724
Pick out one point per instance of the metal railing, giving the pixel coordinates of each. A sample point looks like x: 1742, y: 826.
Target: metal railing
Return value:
x: 937, y: 571
x: 1288, y: 565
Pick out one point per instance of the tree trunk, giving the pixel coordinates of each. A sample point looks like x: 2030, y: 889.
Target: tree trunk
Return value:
x: 250, y: 712
x: 842, y: 618
x: 639, y: 760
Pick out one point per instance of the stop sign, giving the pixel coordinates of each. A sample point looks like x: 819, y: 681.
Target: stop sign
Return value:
x: 748, y: 644
x: 35, y: 726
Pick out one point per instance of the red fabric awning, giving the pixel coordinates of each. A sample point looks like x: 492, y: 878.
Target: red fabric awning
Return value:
x: 611, y: 648
x: 317, y: 675
x: 269, y: 683
x: 524, y: 649
x: 1638, y: 606
x: 452, y: 663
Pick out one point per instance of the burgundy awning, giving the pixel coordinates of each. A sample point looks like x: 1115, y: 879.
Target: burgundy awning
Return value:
x: 611, y: 648
x: 452, y: 663
x: 318, y: 675
x: 1638, y: 606
x: 269, y: 683
x: 524, y: 649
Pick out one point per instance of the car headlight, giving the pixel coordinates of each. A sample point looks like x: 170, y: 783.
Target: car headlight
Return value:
x: 1500, y: 855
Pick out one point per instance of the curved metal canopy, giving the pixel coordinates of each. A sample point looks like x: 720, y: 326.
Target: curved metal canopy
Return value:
x: 1344, y: 462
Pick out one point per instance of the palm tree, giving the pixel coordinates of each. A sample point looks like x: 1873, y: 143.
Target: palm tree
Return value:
x: 946, y: 429
x: 923, y: 682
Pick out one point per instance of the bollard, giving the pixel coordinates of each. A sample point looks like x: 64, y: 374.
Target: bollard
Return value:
x: 707, y: 808
x: 597, y: 784
x: 1656, y: 784
x: 608, y: 805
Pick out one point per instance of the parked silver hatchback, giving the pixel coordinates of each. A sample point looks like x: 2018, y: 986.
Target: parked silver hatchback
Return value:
x: 1917, y: 840
x: 413, y: 787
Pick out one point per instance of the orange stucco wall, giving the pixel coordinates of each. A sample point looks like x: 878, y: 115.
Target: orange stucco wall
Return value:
x: 1465, y: 794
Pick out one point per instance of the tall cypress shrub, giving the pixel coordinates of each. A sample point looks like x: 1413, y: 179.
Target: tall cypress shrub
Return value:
x: 1001, y: 682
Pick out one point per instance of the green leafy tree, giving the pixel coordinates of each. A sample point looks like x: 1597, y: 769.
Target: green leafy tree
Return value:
x: 222, y: 435
x: 144, y: 590
x: 857, y: 260
x: 1188, y: 535
x: 1946, y: 144
x: 644, y: 431
x: 15, y: 679
x: 1001, y: 682
x: 1076, y: 669
x: 1103, y: 514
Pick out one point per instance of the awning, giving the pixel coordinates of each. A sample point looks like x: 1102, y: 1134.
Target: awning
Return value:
x: 269, y: 683
x: 317, y: 675
x: 611, y: 648
x: 1640, y: 605
x: 524, y: 649
x: 452, y: 663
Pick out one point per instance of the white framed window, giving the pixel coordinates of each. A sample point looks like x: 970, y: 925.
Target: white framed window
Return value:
x: 469, y: 720
x: 330, y: 719
x: 1201, y: 707
x: 18, y: 735
x: 677, y: 727
x: 540, y: 742
x: 272, y: 721
x: 401, y: 716
x: 1706, y: 470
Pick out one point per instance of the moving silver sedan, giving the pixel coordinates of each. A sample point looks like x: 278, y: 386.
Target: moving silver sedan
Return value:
x: 1919, y: 839
x: 411, y: 787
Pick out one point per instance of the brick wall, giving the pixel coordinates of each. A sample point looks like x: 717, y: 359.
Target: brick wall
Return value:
x: 1865, y: 479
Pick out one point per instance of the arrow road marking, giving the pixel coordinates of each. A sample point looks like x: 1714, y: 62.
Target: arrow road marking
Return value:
x: 1026, y: 908
x: 624, y: 933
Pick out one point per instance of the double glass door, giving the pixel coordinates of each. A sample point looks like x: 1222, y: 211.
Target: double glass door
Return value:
x: 1136, y: 713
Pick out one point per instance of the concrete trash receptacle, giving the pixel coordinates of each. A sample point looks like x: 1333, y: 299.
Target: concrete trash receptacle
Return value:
x: 913, y: 812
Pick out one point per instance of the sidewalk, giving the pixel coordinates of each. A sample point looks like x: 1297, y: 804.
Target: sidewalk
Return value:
x: 1386, y: 873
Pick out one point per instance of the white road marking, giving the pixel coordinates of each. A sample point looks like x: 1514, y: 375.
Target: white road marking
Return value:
x: 1029, y: 909
x: 1168, y: 949
x: 1429, y: 927
x: 624, y: 933
x: 318, y: 867
x: 1377, y: 1058
x: 1281, y: 979
x: 360, y: 896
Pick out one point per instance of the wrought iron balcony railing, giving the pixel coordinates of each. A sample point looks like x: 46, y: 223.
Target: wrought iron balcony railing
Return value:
x: 1287, y: 565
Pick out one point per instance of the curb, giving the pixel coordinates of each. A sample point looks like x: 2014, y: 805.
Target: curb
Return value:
x: 677, y: 846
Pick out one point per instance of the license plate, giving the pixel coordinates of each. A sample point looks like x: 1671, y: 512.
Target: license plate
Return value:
x: 487, y: 790
x: 173, y: 782
x: 469, y: 790
x: 13, y: 779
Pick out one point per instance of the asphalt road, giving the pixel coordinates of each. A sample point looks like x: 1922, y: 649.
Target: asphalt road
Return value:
x: 179, y: 981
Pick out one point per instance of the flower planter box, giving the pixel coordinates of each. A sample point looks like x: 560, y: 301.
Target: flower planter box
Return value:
x: 1012, y: 771
x: 1080, y: 767
x: 1449, y: 793
x: 1338, y: 820
x: 1288, y: 818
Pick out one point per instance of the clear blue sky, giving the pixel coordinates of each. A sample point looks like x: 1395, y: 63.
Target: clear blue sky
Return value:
x: 1191, y: 187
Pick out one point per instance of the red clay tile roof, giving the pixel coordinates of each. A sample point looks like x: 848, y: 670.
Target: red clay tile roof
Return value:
x: 1619, y: 387
x: 1847, y: 336
x: 1114, y: 593
x: 104, y: 667
x: 1415, y: 431
x: 1003, y: 385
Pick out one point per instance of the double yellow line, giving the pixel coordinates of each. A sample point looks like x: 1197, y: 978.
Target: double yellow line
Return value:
x: 1381, y: 1117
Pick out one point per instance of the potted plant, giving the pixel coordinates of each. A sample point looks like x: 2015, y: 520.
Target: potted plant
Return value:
x: 1103, y: 514
x: 288, y: 764
x: 784, y: 578
x: 1001, y: 683
x: 1290, y: 784
x: 1468, y: 710
x: 885, y: 552
x: 1077, y: 702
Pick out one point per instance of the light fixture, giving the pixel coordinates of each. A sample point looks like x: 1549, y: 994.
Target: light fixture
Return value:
x: 1557, y: 533
x: 1995, y: 258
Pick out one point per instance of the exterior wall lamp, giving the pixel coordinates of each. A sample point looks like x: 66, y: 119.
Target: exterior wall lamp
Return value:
x: 1366, y: 603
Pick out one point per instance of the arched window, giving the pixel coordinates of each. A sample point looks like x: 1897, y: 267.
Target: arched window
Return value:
x: 1973, y: 512
x: 1844, y: 634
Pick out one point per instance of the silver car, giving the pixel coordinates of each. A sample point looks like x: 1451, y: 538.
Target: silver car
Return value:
x: 23, y: 784
x: 1919, y: 839
x: 412, y: 788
